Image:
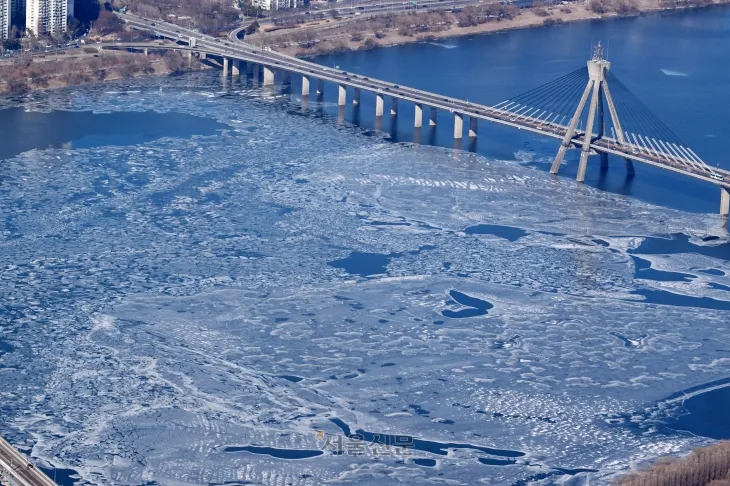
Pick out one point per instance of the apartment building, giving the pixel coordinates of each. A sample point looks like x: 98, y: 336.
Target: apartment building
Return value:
x: 44, y: 17
x: 5, y: 18
x: 276, y: 4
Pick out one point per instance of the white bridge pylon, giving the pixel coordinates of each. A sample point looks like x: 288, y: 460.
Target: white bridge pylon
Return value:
x: 643, y: 138
x: 596, y: 88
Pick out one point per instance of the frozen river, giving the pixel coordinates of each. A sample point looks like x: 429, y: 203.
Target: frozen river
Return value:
x: 206, y: 285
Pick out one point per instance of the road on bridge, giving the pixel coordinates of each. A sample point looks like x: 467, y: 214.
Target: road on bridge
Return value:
x: 17, y: 470
x: 272, y: 60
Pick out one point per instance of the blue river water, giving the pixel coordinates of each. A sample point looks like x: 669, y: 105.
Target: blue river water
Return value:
x: 670, y: 62
x: 205, y: 282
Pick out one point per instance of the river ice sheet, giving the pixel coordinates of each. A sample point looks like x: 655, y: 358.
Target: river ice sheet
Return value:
x: 166, y: 301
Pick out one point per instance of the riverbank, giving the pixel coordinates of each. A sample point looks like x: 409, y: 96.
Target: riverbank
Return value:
x: 706, y: 466
x: 433, y: 26
x: 76, y: 67
x: 79, y: 66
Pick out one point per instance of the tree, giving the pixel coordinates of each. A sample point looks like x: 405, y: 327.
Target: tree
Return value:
x: 253, y: 27
x: 12, y: 44
x: 174, y: 61
x: 17, y: 84
x: 371, y: 43
x: 108, y: 23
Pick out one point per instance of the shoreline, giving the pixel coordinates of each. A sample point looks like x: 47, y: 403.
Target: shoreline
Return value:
x: 57, y: 71
x: 531, y: 18
x: 527, y: 19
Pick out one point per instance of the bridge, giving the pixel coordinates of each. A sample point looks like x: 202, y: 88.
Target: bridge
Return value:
x: 556, y: 109
x: 16, y: 470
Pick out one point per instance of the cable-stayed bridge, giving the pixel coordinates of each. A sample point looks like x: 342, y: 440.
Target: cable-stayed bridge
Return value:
x: 589, y: 108
x: 636, y: 134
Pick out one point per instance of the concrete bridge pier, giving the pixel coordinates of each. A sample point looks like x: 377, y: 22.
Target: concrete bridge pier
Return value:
x: 724, y: 202
x: 356, y: 96
x: 378, y: 105
x: 341, y: 111
x: 286, y: 82
x: 202, y: 56
x: 393, y: 106
x: 146, y: 52
x: 458, y: 125
x: 190, y: 57
x: 236, y: 68
x: 305, y: 86
x: 432, y: 117
x: 630, y: 168
x: 418, y: 118
x: 268, y: 76
x: 472, y: 127
x: 225, y: 66
x: 342, y: 95
x: 256, y: 72
x: 249, y: 69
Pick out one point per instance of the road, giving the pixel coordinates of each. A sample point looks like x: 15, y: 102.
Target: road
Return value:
x: 277, y: 61
x: 37, y: 52
x: 17, y: 470
x: 387, y: 8
x: 362, y: 12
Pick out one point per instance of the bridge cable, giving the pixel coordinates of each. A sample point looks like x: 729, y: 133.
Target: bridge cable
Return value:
x: 537, y: 97
x: 664, y: 142
x: 643, y: 112
x: 567, y: 104
x: 555, y: 82
x: 547, y: 97
x: 637, y: 119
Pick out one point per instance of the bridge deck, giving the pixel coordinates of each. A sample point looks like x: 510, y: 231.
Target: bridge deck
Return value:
x: 16, y: 470
x: 671, y: 159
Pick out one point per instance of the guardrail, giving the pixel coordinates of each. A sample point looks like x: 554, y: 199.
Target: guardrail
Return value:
x: 17, y: 470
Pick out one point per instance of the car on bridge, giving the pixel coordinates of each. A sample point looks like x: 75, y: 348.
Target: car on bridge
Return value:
x: 717, y: 176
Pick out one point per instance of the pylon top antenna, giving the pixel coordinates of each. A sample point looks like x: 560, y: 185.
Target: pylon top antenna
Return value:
x: 598, y: 53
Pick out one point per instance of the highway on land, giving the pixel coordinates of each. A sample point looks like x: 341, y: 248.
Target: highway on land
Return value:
x: 358, y: 13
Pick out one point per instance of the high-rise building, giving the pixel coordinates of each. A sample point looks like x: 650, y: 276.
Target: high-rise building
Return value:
x: 5, y: 19
x: 44, y: 17
x: 276, y: 4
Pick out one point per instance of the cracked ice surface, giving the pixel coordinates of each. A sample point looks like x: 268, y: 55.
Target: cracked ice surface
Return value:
x: 170, y: 299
